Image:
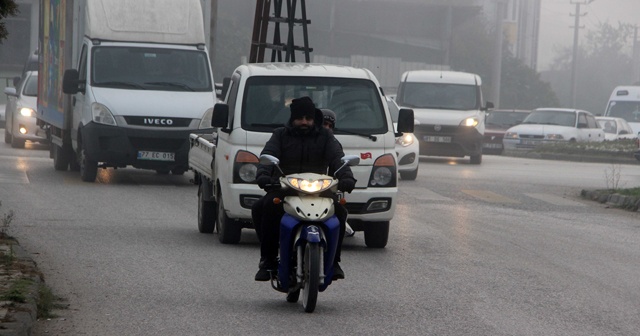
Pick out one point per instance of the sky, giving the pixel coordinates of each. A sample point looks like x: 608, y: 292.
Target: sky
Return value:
x: 556, y: 22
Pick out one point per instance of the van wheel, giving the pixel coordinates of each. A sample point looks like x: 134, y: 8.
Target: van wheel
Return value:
x: 206, y: 211
x: 228, y: 231
x: 376, y: 234
x: 475, y: 159
x: 410, y: 176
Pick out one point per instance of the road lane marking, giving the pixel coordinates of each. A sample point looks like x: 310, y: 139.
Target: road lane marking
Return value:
x: 555, y: 200
x: 489, y: 196
x: 14, y: 177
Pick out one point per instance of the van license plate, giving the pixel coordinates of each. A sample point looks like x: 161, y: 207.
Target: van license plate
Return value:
x: 156, y: 156
x: 431, y: 138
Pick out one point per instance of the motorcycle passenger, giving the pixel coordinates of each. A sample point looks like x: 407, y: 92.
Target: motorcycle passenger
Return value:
x: 303, y: 146
x: 329, y: 122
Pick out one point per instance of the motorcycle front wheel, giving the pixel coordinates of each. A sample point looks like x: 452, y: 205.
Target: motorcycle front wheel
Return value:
x: 311, y: 267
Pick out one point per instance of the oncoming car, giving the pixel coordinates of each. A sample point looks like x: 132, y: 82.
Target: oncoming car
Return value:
x: 550, y: 125
x: 407, y: 147
x: 21, y: 112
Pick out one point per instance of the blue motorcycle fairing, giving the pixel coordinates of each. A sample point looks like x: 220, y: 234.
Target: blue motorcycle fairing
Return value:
x: 288, y: 227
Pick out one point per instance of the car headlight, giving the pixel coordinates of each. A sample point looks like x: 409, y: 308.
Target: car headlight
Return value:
x: 206, y: 119
x: 310, y: 186
x: 555, y: 137
x: 469, y: 122
x: 102, y: 115
x: 511, y: 135
x: 405, y: 140
x: 27, y: 112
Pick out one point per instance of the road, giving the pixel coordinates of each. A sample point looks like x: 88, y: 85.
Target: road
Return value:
x: 504, y: 248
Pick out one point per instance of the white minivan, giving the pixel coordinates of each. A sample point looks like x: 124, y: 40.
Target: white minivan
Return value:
x: 625, y: 103
x: 449, y: 107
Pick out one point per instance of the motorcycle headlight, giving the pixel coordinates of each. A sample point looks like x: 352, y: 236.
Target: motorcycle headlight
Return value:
x: 102, y: 115
x: 206, y: 119
x: 310, y: 186
x: 27, y: 112
x: 405, y: 140
x: 469, y: 122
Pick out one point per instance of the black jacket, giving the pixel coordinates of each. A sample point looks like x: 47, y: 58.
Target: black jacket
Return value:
x: 312, y: 152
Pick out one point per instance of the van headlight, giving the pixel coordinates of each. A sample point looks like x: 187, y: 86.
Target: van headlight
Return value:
x: 206, y: 119
x: 469, y: 122
x: 102, y: 115
x: 405, y: 140
x: 27, y: 112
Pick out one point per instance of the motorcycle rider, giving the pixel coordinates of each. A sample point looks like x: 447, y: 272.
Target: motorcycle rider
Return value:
x: 302, y: 146
x: 329, y: 122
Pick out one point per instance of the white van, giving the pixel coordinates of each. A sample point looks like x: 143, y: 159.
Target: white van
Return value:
x: 625, y: 103
x: 257, y: 101
x: 448, y: 107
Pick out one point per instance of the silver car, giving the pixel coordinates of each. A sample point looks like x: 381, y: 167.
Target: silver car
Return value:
x: 21, y: 112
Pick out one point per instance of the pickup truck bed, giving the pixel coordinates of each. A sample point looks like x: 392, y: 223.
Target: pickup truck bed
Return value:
x: 202, y: 154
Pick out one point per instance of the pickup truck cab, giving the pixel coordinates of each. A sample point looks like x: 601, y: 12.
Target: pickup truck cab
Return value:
x: 256, y: 102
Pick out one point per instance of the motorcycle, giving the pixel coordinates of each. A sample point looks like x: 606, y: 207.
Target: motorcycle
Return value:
x: 309, y: 233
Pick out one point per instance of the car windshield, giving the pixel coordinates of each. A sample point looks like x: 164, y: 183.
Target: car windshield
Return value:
x: 627, y: 110
x: 551, y: 117
x: 440, y: 96
x: 505, y: 119
x: 356, y: 102
x: 150, y: 69
x: 31, y: 86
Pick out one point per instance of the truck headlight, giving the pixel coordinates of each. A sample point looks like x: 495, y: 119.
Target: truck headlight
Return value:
x: 27, y: 112
x: 469, y: 122
x: 206, y: 119
x: 102, y: 115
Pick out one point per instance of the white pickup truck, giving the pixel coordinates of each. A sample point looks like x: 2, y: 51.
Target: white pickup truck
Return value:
x: 255, y: 103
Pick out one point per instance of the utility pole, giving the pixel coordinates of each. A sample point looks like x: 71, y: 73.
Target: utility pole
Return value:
x: 497, y: 59
x: 635, y: 59
x: 574, y: 61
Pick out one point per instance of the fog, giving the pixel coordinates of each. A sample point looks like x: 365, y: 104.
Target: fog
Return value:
x: 557, y: 21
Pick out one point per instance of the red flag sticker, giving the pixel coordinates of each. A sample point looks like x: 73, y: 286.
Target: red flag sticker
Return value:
x: 365, y: 156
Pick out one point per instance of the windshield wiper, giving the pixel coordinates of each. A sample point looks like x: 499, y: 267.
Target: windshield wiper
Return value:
x: 370, y: 136
x: 116, y: 83
x: 174, y: 84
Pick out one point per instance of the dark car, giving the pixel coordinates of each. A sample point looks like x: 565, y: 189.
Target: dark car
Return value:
x: 497, y: 123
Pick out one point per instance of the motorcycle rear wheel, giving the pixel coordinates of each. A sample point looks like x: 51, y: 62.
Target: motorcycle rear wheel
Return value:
x: 311, y: 271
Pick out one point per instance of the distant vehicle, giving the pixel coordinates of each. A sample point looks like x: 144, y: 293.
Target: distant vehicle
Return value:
x: 615, y: 128
x: 496, y: 124
x: 625, y: 103
x: 550, y: 125
x: 449, y: 107
x: 21, y: 112
x: 407, y: 147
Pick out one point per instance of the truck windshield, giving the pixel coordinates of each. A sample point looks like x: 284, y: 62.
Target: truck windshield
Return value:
x: 440, y: 96
x: 150, y: 69
x: 627, y: 110
x: 356, y: 102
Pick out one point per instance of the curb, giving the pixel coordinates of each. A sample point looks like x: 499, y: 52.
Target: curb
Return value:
x: 17, y: 319
x: 630, y: 203
x: 621, y: 158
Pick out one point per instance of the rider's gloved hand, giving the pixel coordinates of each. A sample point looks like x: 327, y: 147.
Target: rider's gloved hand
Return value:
x: 347, y: 184
x: 263, y: 181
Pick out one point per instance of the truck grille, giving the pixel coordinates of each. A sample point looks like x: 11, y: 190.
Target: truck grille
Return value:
x: 158, y: 121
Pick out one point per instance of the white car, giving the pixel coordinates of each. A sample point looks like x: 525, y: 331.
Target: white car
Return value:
x: 21, y: 112
x: 615, y: 128
x: 550, y: 125
x: 407, y: 147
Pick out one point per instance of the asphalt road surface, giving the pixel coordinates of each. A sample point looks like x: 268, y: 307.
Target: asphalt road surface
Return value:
x: 504, y: 248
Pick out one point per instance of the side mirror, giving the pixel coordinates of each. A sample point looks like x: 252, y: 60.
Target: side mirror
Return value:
x: 489, y: 106
x: 220, y: 116
x: 10, y: 91
x: 268, y: 160
x: 71, y: 81
x: 351, y: 160
x: 405, y: 121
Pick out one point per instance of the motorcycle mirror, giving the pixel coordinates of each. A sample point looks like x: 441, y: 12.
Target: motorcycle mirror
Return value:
x: 268, y: 160
x: 351, y: 160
